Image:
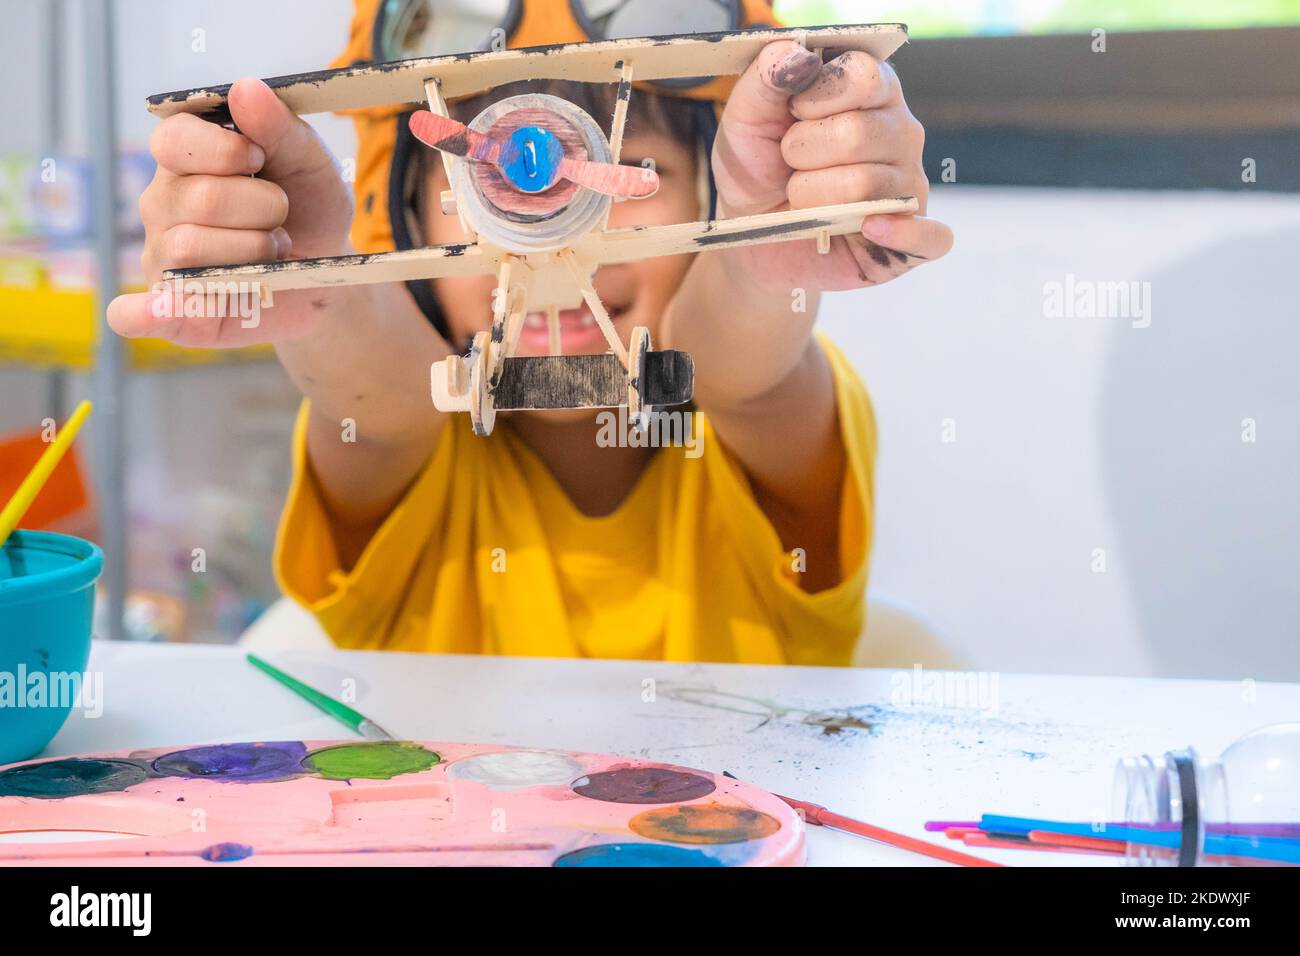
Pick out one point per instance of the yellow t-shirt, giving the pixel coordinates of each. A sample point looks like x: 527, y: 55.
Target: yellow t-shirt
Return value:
x: 486, y: 554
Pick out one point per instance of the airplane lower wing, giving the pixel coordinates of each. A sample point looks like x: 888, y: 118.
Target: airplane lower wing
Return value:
x: 602, y: 248
x: 431, y: 262
x: 644, y: 242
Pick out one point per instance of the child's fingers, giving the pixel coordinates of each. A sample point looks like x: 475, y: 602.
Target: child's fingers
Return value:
x: 188, y: 245
x: 320, y: 202
x: 858, y: 136
x: 194, y: 321
x: 914, y: 237
x: 186, y: 145
x: 853, y: 81
x: 747, y: 163
x: 139, y: 315
x: 228, y: 202
x: 856, y: 183
x: 292, y: 147
x: 760, y: 101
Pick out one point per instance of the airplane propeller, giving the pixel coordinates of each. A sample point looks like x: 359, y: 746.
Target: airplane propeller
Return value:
x: 532, y: 159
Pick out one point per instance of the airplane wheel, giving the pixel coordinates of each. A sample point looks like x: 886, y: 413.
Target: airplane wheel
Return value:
x: 638, y: 413
x: 482, y: 413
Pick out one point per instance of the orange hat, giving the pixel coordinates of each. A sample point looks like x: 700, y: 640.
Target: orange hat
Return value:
x: 539, y: 22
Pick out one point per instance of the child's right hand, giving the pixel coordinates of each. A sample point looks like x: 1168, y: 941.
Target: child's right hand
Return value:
x: 205, y: 208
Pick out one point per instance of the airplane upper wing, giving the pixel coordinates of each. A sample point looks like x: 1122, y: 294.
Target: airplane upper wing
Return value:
x: 468, y: 74
x: 428, y: 263
x: 643, y: 242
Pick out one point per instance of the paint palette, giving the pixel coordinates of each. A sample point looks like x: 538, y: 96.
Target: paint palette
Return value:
x: 394, y: 803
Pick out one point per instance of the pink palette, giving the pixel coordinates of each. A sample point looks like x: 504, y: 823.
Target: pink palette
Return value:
x: 388, y: 803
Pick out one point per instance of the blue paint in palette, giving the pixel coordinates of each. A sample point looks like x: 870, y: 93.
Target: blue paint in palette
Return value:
x: 73, y: 777
x: 637, y: 854
x: 226, y: 852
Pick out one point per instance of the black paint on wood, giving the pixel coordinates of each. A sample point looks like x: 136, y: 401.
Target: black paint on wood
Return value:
x: 590, y: 381
x: 764, y: 232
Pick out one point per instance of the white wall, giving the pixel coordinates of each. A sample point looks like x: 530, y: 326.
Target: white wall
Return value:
x: 156, y: 52
x: 1075, y: 434
x: 242, y: 37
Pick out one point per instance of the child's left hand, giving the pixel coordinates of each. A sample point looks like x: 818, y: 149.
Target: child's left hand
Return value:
x: 796, y: 133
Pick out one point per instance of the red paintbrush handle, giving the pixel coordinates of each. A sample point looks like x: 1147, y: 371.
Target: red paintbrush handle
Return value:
x: 819, y: 816
x: 829, y: 819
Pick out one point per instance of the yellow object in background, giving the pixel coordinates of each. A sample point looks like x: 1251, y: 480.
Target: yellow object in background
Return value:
x: 56, y: 328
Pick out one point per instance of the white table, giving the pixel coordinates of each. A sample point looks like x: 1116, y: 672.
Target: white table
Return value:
x: 1046, y: 746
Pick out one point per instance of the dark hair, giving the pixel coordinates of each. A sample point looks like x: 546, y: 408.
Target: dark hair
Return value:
x: 650, y: 111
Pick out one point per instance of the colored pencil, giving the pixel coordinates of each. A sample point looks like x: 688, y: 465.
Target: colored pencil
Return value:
x: 337, y: 709
x: 1226, y: 829
x: 819, y: 816
x: 996, y: 843
x: 1282, y: 849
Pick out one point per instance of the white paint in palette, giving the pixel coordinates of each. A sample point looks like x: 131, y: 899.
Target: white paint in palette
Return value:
x: 517, y: 769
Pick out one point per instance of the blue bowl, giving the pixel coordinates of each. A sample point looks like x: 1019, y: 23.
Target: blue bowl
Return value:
x: 47, y: 603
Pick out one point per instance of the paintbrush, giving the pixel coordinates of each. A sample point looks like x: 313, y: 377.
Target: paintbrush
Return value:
x: 31, y: 485
x: 339, y: 711
x: 819, y: 816
x: 1225, y: 829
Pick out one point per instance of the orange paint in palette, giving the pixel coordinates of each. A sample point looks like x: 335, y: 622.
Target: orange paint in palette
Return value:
x: 376, y: 803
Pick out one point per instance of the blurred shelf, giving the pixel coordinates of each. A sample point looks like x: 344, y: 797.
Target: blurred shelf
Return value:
x: 50, y: 328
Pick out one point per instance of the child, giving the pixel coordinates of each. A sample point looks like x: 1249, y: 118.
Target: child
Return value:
x: 405, y: 531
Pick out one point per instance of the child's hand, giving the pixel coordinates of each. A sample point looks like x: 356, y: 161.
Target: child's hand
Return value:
x: 204, y: 208
x: 796, y: 133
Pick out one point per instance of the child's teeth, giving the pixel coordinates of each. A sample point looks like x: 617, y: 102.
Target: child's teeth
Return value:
x: 588, y: 319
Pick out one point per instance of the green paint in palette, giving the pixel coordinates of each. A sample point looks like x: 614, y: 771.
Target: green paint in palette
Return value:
x: 378, y: 760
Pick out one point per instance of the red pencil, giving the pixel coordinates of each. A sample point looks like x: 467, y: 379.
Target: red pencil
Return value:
x: 988, y: 840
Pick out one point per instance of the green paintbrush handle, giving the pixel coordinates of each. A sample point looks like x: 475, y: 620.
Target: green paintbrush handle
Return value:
x: 339, y: 711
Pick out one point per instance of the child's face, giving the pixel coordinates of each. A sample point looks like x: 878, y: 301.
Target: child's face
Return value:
x: 636, y: 293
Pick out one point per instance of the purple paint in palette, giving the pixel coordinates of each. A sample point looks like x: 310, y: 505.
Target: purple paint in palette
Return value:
x: 236, y: 763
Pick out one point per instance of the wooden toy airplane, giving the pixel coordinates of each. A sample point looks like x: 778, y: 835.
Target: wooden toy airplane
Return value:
x: 532, y: 181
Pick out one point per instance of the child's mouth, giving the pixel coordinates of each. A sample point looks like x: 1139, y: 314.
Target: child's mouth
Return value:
x: 579, y: 333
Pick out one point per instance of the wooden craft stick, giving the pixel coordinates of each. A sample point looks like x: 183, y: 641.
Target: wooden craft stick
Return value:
x: 438, y: 105
x: 583, y: 279
x: 608, y: 247
x: 501, y: 303
x: 553, y: 337
x: 618, y: 124
x: 514, y: 326
x: 657, y: 58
